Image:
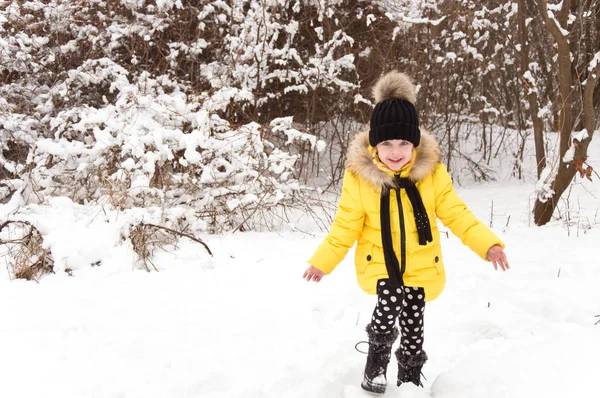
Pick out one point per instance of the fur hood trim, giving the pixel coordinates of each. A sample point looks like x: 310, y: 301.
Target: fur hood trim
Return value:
x: 361, y: 163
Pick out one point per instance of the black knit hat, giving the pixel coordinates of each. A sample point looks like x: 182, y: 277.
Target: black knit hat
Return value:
x: 394, y: 119
x: 394, y: 116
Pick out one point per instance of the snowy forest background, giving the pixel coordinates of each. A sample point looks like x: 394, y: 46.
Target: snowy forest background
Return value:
x: 195, y: 117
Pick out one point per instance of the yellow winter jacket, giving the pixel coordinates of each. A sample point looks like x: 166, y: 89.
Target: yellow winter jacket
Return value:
x: 358, y: 219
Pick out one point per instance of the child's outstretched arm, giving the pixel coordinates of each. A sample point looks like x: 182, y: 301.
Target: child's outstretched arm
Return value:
x: 455, y: 214
x: 496, y: 255
x: 347, y: 226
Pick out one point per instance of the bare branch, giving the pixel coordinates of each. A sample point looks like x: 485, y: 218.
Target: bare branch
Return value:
x: 182, y: 234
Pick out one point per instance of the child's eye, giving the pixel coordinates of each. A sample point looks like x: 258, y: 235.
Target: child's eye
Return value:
x: 386, y: 143
x: 403, y: 142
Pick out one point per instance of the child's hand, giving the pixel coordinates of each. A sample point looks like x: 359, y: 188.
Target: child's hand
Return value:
x: 497, y: 256
x: 313, y: 273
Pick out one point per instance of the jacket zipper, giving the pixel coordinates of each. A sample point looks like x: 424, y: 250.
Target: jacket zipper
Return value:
x: 402, y: 231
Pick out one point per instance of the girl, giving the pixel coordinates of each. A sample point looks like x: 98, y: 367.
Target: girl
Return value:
x: 393, y: 189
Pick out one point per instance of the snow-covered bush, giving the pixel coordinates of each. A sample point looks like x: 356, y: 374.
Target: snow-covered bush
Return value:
x: 155, y: 145
x: 157, y: 105
x: 251, y: 61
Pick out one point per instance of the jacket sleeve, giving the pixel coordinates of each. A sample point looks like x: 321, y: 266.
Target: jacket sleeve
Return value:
x: 346, y: 228
x: 455, y: 214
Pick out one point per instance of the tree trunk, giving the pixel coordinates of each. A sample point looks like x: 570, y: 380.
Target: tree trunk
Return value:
x: 542, y: 211
x: 538, y: 127
x: 566, y: 171
x: 544, y: 207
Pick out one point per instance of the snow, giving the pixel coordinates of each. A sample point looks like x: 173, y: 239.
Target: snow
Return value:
x: 284, y: 124
x: 563, y: 31
x: 244, y: 324
x: 594, y: 62
x: 569, y: 154
x: 544, y: 184
x: 370, y: 19
x: 543, y: 112
x: 412, y: 20
x: 580, y: 135
x: 555, y: 7
x: 575, y: 136
x: 451, y: 55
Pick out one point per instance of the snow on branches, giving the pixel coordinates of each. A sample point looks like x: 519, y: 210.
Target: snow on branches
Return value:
x: 162, y: 105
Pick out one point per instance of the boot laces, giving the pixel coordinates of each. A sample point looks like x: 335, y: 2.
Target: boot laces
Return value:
x: 375, y: 346
x: 359, y: 343
x: 409, y: 377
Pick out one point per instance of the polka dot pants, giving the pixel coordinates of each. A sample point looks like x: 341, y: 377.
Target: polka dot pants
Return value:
x: 406, y: 304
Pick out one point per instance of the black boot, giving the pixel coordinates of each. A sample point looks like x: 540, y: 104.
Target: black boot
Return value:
x: 380, y: 351
x: 409, y: 367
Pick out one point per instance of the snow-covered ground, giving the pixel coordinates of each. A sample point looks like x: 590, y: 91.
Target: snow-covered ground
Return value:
x: 245, y: 324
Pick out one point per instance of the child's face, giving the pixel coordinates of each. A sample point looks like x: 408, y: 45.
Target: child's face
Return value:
x: 394, y: 153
